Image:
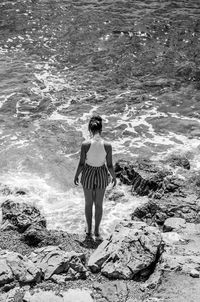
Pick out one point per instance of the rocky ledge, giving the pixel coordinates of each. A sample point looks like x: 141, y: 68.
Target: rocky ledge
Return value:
x: 153, y: 255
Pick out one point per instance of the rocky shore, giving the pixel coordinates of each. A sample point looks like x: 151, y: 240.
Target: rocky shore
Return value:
x: 153, y: 255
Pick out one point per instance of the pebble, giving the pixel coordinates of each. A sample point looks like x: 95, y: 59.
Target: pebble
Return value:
x: 194, y: 273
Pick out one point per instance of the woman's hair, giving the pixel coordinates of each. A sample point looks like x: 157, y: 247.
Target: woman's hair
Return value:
x: 95, y: 124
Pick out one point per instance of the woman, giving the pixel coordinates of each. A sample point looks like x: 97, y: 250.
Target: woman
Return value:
x: 95, y: 153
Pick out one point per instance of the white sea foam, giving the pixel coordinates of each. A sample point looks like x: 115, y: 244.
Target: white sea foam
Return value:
x: 65, y: 209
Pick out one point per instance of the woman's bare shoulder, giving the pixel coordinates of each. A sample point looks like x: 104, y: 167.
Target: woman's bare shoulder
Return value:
x: 86, y: 144
x: 107, y: 146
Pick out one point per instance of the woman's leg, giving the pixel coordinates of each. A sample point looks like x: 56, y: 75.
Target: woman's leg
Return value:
x: 88, y: 208
x: 99, y: 195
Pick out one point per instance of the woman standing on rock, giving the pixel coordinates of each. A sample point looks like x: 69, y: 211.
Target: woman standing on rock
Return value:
x: 95, y: 162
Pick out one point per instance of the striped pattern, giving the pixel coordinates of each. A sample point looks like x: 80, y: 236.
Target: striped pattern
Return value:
x: 94, y: 177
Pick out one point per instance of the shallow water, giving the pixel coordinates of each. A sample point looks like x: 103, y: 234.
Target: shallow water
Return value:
x: 136, y: 63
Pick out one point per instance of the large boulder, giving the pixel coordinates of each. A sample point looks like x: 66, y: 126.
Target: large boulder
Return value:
x: 21, y: 215
x: 131, y: 252
x: 153, y: 178
x: 15, y: 267
x: 58, y: 265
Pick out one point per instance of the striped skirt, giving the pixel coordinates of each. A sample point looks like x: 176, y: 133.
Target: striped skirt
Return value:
x: 94, y: 177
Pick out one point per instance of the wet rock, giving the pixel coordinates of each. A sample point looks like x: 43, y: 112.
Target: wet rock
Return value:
x: 185, y: 70
x: 21, y: 215
x: 146, y: 211
x: 20, y: 192
x: 176, y: 160
x: 174, y: 224
x: 15, y: 267
x: 5, y: 190
x: 195, y: 273
x: 129, y: 253
x: 144, y: 175
x: 52, y: 260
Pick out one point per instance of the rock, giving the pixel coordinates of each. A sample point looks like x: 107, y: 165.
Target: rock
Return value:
x: 21, y: 215
x: 14, y: 266
x: 195, y: 273
x: 185, y: 70
x: 34, y: 234
x: 176, y: 160
x: 77, y: 295
x: 3, y: 297
x: 174, y: 224
x: 181, y: 262
x: 52, y: 260
x: 153, y: 299
x: 155, y: 212
x: 42, y: 296
x: 15, y: 294
x: 5, y: 190
x: 129, y: 253
x: 145, y: 211
x: 7, y: 226
x: 153, y: 281
x: 117, y: 291
x: 72, y: 295
x: 144, y: 175
x: 6, y: 274
x: 171, y: 238
x: 60, y: 279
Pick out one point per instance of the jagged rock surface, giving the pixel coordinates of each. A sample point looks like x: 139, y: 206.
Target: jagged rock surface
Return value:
x: 129, y: 253
x: 152, y: 178
x: 15, y: 267
x: 144, y: 176
x: 156, y: 211
x: 21, y: 215
x: 58, y: 264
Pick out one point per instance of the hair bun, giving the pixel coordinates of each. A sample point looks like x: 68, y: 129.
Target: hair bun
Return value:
x: 95, y: 124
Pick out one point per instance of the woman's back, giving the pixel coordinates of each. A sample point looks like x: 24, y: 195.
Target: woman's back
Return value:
x: 96, y: 155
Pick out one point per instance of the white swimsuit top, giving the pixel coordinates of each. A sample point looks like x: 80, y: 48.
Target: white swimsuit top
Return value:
x: 96, y: 154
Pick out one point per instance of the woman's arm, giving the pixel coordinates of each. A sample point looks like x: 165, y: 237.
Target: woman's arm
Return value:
x: 81, y: 163
x: 109, y: 162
